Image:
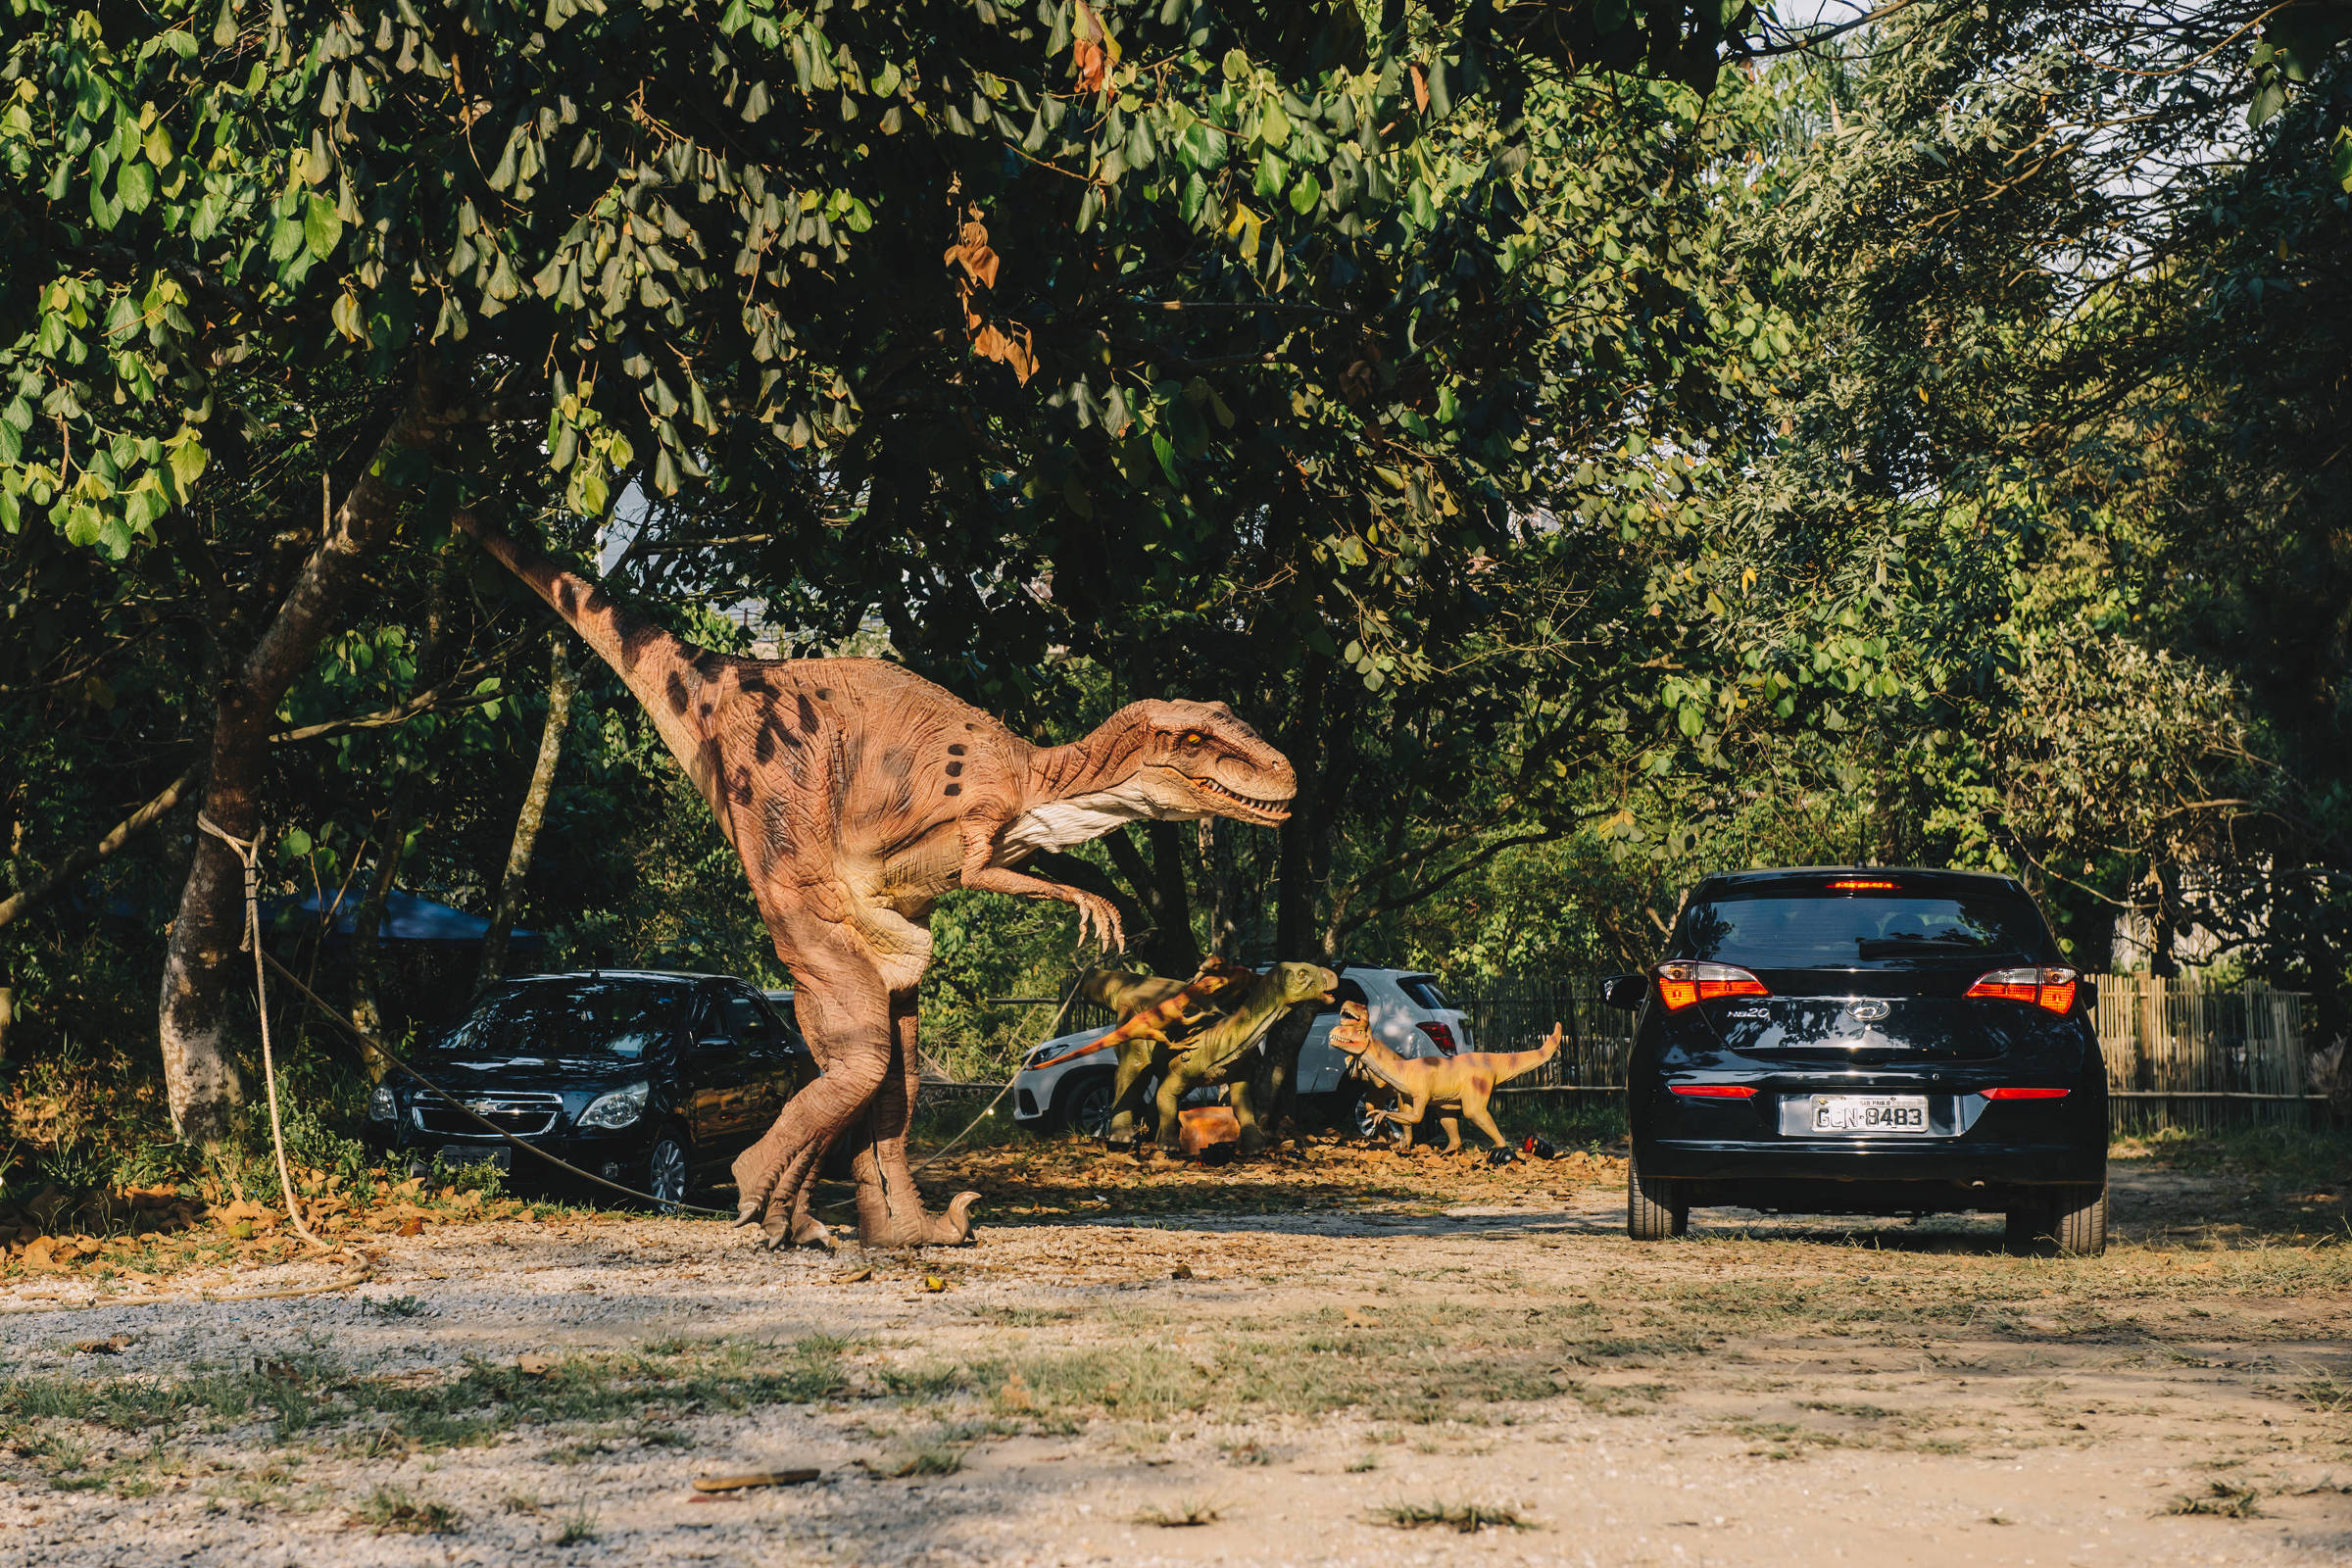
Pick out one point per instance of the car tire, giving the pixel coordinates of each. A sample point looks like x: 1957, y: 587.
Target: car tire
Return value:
x: 1084, y: 1108
x: 1656, y: 1208
x: 2078, y: 1222
x: 1370, y: 1128
x: 670, y: 1170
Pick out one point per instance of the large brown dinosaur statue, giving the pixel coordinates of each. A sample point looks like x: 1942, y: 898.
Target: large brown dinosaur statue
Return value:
x: 856, y: 793
x: 1216, y: 1054
x: 1460, y: 1084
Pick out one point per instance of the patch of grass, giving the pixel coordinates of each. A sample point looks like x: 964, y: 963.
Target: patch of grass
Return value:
x: 395, y: 1307
x: 1249, y: 1453
x: 1182, y: 1515
x: 1363, y: 1463
x: 390, y: 1511
x: 927, y: 1459
x: 1466, y: 1518
x: 580, y: 1527
x: 2219, y: 1498
x: 1025, y: 1317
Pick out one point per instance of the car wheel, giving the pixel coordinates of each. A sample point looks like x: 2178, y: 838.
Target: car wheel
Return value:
x: 1654, y: 1208
x: 1365, y: 1123
x: 2078, y: 1222
x: 1086, y: 1106
x: 667, y: 1171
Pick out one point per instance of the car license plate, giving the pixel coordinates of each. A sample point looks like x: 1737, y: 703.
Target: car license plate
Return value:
x: 502, y: 1156
x: 1870, y: 1113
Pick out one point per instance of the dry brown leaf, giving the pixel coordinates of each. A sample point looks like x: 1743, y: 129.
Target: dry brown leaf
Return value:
x: 535, y: 1366
x: 1181, y: 1271
x: 858, y: 1278
x: 412, y: 1226
x: 1420, y: 89
x: 112, y: 1345
x: 755, y: 1478
x: 1090, y: 52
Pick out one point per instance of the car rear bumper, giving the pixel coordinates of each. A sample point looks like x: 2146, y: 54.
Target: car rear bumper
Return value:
x: 1875, y: 1161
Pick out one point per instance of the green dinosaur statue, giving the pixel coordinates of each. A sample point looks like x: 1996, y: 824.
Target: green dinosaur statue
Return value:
x: 1217, y: 1053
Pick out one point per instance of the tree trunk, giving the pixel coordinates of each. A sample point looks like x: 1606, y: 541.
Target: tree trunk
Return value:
x: 1296, y: 929
x: 8, y: 1016
x: 392, y: 834
x: 560, y: 684
x: 1222, y: 892
x: 199, y: 980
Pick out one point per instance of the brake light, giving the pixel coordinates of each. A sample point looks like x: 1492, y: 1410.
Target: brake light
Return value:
x: 1714, y: 1091
x: 1442, y: 1034
x: 2025, y: 1093
x: 1853, y: 886
x: 2050, y: 987
x: 1682, y: 983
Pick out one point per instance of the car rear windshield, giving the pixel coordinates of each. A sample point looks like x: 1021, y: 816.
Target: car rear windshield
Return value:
x: 589, y: 1019
x: 1780, y: 929
x: 1424, y: 992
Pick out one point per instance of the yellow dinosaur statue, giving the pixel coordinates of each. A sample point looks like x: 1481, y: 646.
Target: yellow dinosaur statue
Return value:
x: 1461, y: 1085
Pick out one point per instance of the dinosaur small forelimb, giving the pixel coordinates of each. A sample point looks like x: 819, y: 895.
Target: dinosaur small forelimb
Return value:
x: 1097, y: 915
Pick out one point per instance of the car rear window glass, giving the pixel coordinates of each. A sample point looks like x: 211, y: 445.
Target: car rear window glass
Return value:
x: 587, y: 1019
x: 1784, y: 930
x: 1345, y: 991
x: 1424, y: 992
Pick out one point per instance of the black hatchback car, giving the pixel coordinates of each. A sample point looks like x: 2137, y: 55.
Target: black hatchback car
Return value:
x: 651, y: 1079
x: 1860, y: 1040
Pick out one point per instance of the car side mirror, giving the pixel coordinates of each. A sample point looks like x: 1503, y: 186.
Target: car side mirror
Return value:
x: 1624, y: 991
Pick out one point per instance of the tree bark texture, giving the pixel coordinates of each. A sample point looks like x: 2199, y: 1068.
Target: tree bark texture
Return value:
x: 562, y: 682
x: 199, y: 979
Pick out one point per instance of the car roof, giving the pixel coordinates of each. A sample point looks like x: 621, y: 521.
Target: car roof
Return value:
x: 1779, y: 872
x: 688, y: 975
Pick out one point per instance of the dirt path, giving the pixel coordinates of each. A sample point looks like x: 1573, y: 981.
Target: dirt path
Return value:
x: 1769, y: 1391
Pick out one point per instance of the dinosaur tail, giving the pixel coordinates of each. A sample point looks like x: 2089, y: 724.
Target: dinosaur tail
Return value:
x: 660, y: 669
x: 1510, y: 1064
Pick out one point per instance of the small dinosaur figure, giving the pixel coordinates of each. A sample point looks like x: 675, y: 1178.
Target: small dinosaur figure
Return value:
x: 1460, y: 1084
x: 1216, y: 1054
x: 856, y: 793
x: 1154, y: 1012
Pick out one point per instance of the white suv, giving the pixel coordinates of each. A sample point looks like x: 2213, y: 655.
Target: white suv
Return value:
x: 1410, y: 1014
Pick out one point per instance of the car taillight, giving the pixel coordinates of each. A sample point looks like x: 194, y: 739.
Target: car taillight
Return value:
x: 2025, y: 1093
x: 1856, y: 885
x: 1680, y: 984
x: 1441, y: 1034
x: 2051, y: 987
x: 1714, y: 1091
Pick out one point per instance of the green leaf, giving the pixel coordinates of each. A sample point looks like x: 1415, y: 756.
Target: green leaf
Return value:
x: 296, y: 841
x: 322, y: 228
x: 135, y: 186
x: 1305, y: 195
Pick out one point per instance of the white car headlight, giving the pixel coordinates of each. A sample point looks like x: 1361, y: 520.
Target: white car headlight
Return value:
x: 383, y: 1105
x: 618, y: 1108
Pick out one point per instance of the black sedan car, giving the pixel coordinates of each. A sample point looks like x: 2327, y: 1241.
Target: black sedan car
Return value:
x: 651, y: 1079
x: 1860, y: 1040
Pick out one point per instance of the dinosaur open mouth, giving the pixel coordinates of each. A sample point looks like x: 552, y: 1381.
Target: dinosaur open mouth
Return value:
x: 1209, y: 786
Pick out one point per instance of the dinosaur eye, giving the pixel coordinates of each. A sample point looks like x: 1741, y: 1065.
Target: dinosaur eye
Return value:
x: 1193, y: 737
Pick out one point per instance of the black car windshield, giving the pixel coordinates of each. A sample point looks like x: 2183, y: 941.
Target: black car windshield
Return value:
x: 1841, y: 931
x: 583, y: 1019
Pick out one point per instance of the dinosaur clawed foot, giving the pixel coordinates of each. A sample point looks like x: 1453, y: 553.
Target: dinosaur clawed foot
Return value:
x: 952, y: 1226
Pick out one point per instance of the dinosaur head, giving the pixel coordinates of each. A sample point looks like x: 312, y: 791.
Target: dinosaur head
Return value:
x: 1304, y: 982
x: 1353, y: 1032
x: 1196, y: 759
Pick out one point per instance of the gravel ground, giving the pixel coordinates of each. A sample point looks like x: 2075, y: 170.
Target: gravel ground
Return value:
x: 1769, y: 1391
